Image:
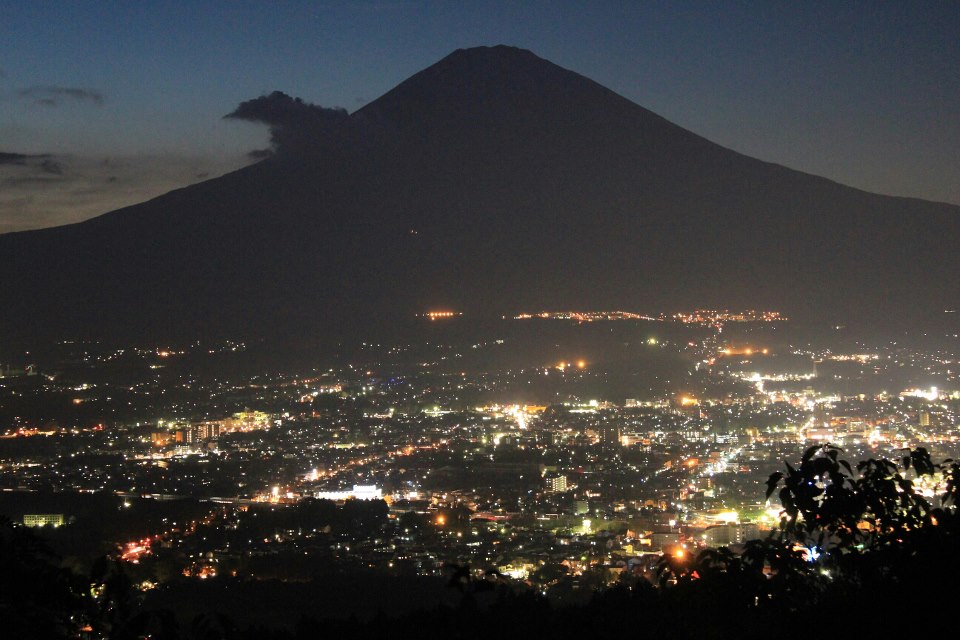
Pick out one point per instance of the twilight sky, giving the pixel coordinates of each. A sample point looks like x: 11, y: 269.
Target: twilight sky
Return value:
x: 110, y: 103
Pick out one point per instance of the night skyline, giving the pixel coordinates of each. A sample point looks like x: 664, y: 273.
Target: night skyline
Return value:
x: 120, y: 104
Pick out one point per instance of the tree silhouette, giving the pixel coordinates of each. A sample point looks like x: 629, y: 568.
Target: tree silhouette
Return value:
x: 882, y: 535
x: 40, y: 599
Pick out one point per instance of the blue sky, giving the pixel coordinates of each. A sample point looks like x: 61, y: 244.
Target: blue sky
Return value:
x: 128, y: 97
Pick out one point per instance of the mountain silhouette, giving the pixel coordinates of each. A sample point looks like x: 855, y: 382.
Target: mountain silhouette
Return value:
x: 491, y: 182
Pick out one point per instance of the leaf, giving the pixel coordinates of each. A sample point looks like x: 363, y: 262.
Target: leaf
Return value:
x: 823, y: 466
x: 772, y: 482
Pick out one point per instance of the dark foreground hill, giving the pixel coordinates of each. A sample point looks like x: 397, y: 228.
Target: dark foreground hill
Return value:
x: 490, y: 182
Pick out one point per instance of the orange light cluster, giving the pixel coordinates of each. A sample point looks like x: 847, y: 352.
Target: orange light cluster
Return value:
x: 583, y: 316
x: 714, y: 317
x: 441, y: 315
x: 132, y: 551
x: 744, y: 351
x: 23, y: 432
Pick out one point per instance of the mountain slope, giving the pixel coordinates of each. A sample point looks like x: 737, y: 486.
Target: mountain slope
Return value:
x: 490, y: 182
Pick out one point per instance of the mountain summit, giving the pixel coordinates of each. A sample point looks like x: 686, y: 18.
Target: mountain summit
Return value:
x: 490, y: 182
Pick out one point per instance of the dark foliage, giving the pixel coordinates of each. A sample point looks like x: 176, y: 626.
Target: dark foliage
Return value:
x: 39, y: 599
x: 862, y: 549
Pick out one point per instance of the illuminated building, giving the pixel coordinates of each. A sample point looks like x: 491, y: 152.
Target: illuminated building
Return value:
x: 557, y: 484
x: 359, y: 492
x: 43, y: 519
x: 723, y: 535
x: 823, y: 434
x: 206, y: 431
x: 199, y: 432
x: 610, y: 434
x: 660, y: 540
x: 247, y: 421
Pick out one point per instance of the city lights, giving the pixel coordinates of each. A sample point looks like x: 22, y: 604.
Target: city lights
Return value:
x: 403, y: 466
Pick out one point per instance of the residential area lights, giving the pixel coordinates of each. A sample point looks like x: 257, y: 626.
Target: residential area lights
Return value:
x: 547, y: 477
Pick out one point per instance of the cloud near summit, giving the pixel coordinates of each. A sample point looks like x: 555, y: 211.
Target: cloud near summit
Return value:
x: 296, y: 126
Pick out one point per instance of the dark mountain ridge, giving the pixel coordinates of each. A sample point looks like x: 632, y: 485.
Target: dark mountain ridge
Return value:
x: 491, y: 182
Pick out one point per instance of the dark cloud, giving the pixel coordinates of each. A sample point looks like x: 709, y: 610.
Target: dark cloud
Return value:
x: 260, y: 154
x: 295, y: 126
x: 53, y: 96
x: 20, y: 158
x: 13, y: 158
x: 49, y: 165
x: 279, y: 109
x: 25, y: 170
x: 42, y: 162
x: 19, y: 181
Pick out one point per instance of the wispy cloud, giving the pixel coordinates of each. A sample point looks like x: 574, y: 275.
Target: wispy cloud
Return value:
x: 45, y: 190
x: 54, y: 96
x: 19, y: 159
